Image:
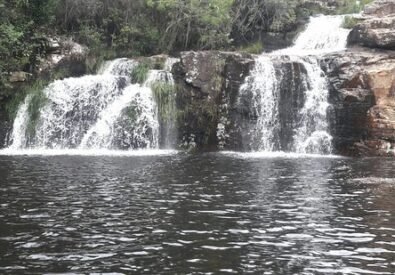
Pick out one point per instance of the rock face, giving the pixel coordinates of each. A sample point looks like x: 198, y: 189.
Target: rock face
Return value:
x: 362, y: 94
x: 377, y: 30
x: 205, y: 82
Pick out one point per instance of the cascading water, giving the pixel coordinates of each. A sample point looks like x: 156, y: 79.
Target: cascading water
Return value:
x: 262, y: 85
x: 311, y: 135
x: 129, y: 121
x: 323, y: 34
x: 103, y: 111
x: 308, y: 123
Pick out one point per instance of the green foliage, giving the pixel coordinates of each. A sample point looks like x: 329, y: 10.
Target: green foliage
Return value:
x: 193, y: 23
x: 349, y: 22
x: 90, y: 36
x: 37, y: 100
x: 21, y: 30
x: 351, y: 6
x: 13, y: 104
x: 140, y: 72
x: 143, y: 27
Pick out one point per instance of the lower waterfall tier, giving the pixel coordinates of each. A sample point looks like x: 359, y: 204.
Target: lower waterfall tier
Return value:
x: 103, y: 111
x: 209, y: 110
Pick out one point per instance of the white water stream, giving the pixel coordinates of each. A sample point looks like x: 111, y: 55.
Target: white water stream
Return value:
x: 311, y: 131
x: 94, y: 112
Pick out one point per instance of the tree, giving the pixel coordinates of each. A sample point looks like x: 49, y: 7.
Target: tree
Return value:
x: 255, y: 16
x: 193, y: 23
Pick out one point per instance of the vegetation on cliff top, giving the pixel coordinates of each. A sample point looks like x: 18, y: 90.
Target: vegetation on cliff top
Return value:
x: 143, y: 27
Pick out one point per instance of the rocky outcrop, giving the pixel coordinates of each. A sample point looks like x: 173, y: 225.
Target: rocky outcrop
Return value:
x: 362, y: 94
x: 380, y: 8
x: 205, y: 82
x: 362, y: 85
x: 19, y: 77
x: 377, y: 29
x: 64, y: 58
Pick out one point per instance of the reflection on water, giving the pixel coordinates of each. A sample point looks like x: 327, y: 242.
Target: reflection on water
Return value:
x: 178, y: 214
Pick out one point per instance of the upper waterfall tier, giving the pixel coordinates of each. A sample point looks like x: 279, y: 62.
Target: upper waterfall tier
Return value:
x: 323, y: 34
x: 287, y: 95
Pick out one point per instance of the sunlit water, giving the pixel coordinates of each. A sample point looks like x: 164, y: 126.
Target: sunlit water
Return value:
x: 185, y: 214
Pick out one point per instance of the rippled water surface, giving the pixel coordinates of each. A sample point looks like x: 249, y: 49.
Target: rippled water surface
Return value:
x: 182, y: 214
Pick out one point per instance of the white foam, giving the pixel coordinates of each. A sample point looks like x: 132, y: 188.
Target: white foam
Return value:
x: 79, y: 152
x: 276, y: 154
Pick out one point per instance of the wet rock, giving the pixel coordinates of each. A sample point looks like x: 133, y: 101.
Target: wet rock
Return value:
x: 362, y: 94
x: 206, y: 84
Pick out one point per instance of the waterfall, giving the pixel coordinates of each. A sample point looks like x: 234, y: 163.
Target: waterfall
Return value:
x: 323, y: 34
x: 102, y: 111
x: 116, y: 129
x: 18, y: 135
x: 311, y: 135
x: 289, y: 107
x: 262, y: 84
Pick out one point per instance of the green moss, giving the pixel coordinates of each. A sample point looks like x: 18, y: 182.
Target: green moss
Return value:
x: 131, y: 112
x: 201, y: 117
x: 18, y: 98
x: 37, y: 102
x: 140, y: 72
x: 349, y: 22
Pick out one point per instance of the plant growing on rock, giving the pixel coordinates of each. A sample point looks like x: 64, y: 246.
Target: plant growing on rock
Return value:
x: 164, y: 94
x: 38, y: 99
x: 140, y: 72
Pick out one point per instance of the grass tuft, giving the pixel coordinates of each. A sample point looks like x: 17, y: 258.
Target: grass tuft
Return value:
x: 140, y: 72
